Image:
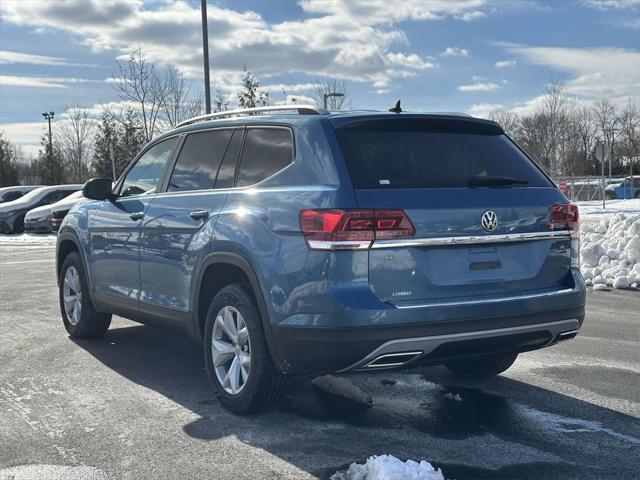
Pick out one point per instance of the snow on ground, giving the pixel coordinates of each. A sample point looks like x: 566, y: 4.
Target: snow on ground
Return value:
x: 592, y: 211
x: 28, y: 239
x: 388, y: 467
x: 610, y: 251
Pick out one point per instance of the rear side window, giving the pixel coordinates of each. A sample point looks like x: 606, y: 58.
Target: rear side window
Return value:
x: 428, y: 154
x: 199, y: 161
x: 266, y: 151
x: 227, y: 171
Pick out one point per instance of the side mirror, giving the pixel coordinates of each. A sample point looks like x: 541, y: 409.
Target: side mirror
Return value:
x: 98, y: 189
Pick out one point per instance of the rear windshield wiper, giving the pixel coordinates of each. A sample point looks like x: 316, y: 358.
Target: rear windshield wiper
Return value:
x: 484, y: 181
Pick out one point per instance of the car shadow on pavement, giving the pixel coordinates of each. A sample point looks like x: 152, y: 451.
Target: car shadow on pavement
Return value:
x: 499, y: 428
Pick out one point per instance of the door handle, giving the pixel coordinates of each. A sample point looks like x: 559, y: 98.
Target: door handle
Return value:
x: 199, y: 214
x: 136, y: 215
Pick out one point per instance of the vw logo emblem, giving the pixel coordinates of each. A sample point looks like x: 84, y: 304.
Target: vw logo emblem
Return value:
x: 489, y: 221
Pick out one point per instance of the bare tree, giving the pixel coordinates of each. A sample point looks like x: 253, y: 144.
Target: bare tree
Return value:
x: 179, y: 104
x: 585, y: 129
x: 553, y: 107
x: 630, y: 133
x: 509, y: 121
x: 324, y: 88
x: 607, y: 121
x: 140, y: 83
x: 75, y: 136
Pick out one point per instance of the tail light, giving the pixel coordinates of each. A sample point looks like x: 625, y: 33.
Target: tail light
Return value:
x: 564, y: 216
x: 352, y: 229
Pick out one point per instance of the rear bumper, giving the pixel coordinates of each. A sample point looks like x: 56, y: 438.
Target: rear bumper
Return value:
x: 305, y: 349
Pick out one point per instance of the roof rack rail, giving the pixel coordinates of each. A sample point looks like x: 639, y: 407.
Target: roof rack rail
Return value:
x: 300, y: 109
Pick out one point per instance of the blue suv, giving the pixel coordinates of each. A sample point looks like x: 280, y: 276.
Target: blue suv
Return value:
x: 291, y: 240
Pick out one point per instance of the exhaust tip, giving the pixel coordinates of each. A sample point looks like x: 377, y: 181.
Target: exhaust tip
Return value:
x: 566, y: 335
x: 392, y: 359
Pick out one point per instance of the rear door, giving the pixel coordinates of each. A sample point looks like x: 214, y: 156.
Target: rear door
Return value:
x: 179, y: 222
x: 472, y: 196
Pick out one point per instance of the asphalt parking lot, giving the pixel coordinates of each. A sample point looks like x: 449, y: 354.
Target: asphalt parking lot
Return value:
x: 136, y: 404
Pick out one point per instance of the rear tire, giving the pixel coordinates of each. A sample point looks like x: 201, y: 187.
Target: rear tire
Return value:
x: 78, y: 315
x: 243, y: 376
x: 481, y: 367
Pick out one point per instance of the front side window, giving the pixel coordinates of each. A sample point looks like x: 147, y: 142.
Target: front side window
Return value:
x: 265, y: 152
x: 143, y: 177
x: 199, y: 161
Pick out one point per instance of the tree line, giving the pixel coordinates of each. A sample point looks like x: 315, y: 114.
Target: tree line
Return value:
x: 559, y: 132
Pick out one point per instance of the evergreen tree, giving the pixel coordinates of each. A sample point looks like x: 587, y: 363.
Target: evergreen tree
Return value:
x: 251, y: 96
x: 8, y: 166
x: 50, y: 168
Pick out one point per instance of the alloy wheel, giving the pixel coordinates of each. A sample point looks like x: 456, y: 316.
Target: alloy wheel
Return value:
x: 231, y: 350
x: 72, y: 295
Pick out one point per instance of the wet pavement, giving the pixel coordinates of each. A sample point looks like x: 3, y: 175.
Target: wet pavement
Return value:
x: 136, y: 404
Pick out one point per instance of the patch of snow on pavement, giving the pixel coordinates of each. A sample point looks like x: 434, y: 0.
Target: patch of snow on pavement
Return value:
x: 388, y: 467
x: 610, y: 252
x: 28, y: 239
x: 571, y: 425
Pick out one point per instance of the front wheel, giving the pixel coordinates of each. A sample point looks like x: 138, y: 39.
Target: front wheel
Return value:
x: 78, y: 315
x: 236, y: 354
x: 481, y: 367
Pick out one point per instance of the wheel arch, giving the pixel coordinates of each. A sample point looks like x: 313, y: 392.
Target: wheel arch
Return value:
x: 218, y: 270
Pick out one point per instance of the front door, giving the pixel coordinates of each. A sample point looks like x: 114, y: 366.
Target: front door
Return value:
x: 114, y: 229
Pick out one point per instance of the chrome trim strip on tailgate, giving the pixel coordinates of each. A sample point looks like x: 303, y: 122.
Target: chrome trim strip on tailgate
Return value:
x: 479, y: 301
x: 471, y: 239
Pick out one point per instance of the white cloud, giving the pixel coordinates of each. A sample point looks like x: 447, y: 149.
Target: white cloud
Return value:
x: 479, y: 87
x: 455, y: 52
x: 297, y: 100
x: 410, y: 61
x: 483, y: 110
x: 355, y: 41
x: 470, y: 16
x: 41, y: 82
x: 9, y: 57
x: 612, y: 4
x: 26, y: 135
x: 505, y: 63
x: 595, y: 72
x: 383, y: 11
x: 289, y: 88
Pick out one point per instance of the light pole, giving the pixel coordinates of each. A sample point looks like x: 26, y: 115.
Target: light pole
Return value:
x: 331, y: 94
x: 48, y: 116
x: 205, y: 53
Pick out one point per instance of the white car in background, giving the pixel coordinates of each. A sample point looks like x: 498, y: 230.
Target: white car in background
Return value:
x: 39, y: 220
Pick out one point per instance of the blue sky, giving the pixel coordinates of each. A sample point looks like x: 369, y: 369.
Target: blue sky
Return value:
x: 436, y: 55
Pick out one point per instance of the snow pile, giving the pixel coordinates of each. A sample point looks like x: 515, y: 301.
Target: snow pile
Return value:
x: 388, y: 467
x: 27, y: 239
x: 610, y: 252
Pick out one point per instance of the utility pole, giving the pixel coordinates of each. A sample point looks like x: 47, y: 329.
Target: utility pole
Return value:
x: 48, y: 116
x: 205, y: 53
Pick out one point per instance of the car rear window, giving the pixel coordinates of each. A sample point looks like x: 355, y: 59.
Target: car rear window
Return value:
x: 431, y: 154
